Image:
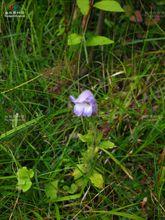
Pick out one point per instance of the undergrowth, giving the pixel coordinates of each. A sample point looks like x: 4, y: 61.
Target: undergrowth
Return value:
x: 38, y: 129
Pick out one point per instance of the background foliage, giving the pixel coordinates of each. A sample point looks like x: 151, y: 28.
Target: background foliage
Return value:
x: 123, y: 177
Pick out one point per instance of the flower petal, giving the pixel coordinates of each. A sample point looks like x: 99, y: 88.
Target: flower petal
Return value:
x: 84, y: 96
x: 78, y: 109
x: 85, y: 104
x: 94, y: 108
x: 87, y: 110
x: 72, y: 98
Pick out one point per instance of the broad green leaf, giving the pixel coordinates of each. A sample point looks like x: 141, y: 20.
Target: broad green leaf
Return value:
x: 51, y: 190
x: 89, y: 154
x: 80, y: 180
x: 109, y: 6
x: 23, y: 176
x: 79, y: 171
x: 74, y: 39
x: 87, y: 138
x: 107, y: 144
x: 98, y: 40
x: 97, y: 179
x: 83, y: 6
x: 91, y: 137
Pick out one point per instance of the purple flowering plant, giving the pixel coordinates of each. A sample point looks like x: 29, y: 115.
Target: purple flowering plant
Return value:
x: 85, y: 104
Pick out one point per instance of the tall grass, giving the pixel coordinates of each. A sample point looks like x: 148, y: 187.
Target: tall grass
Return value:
x: 38, y: 72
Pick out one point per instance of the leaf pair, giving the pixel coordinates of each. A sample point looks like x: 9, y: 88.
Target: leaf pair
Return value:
x: 74, y: 39
x: 84, y: 6
x: 106, y: 5
x: 95, y: 177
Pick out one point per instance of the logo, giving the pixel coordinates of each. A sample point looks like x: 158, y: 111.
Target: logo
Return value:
x: 13, y: 10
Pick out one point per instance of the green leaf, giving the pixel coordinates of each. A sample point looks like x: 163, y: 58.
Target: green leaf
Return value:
x: 23, y: 176
x: 74, y: 39
x: 98, y: 40
x: 107, y: 144
x: 72, y: 189
x: 83, y: 6
x: 82, y: 182
x: 79, y: 171
x: 51, y: 190
x: 109, y: 6
x: 89, y: 154
x: 87, y: 138
x: 97, y: 179
x: 91, y: 137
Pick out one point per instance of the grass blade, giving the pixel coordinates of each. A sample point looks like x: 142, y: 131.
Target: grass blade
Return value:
x: 19, y: 128
x: 118, y: 163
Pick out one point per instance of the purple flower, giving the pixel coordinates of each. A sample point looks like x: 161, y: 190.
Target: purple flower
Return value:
x: 85, y: 104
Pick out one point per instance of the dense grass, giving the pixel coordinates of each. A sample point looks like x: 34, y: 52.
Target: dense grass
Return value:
x: 38, y: 72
